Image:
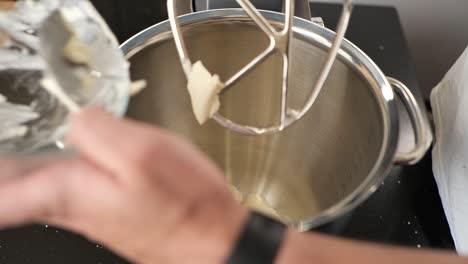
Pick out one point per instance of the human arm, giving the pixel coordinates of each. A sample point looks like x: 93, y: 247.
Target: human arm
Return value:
x: 154, y: 198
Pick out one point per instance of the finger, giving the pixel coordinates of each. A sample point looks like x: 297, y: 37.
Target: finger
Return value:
x: 114, y: 144
x: 41, y: 197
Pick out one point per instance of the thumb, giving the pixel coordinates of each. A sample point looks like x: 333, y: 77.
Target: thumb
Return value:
x: 12, y: 168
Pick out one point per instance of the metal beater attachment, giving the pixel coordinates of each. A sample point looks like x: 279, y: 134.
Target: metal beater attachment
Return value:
x: 280, y: 42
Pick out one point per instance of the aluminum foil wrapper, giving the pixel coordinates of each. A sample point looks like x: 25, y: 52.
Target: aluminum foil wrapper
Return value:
x: 65, y: 42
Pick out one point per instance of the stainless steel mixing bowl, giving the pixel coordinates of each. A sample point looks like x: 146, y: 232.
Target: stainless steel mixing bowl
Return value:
x: 325, y: 164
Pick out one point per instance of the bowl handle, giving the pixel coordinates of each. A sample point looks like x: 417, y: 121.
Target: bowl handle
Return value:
x: 421, y: 131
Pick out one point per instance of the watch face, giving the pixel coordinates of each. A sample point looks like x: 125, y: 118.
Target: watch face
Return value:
x: 259, y: 242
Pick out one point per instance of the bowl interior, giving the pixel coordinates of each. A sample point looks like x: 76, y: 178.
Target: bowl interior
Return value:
x: 294, y: 175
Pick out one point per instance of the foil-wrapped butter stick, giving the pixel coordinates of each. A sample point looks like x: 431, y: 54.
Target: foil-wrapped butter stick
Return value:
x: 67, y: 48
x: 83, y: 57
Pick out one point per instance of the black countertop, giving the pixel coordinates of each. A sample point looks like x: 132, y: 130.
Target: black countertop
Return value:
x: 406, y: 210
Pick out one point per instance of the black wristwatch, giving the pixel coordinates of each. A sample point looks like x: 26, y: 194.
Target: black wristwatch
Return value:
x: 259, y: 242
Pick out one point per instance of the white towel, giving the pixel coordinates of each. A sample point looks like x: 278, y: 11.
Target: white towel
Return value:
x: 450, y: 154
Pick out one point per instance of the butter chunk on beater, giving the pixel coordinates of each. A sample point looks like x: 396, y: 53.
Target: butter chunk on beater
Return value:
x: 204, y: 91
